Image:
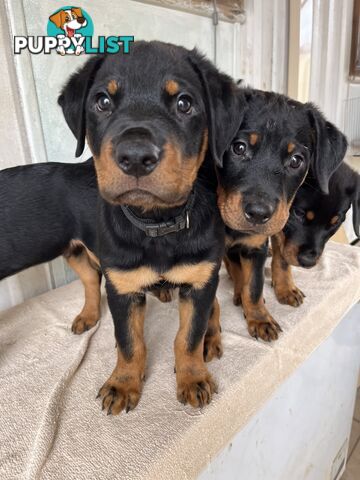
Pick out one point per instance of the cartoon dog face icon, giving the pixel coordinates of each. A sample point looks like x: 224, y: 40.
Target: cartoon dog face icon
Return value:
x: 69, y: 20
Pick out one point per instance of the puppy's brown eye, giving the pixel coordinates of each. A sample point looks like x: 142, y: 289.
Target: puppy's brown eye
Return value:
x: 296, y: 161
x: 239, y: 148
x: 184, y: 104
x: 103, y: 103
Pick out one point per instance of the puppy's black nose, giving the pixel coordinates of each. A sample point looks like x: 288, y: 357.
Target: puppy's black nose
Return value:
x: 81, y: 19
x: 258, y: 213
x: 137, y: 158
x: 307, y: 259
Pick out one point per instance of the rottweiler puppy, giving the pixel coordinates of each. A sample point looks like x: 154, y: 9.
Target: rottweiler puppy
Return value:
x: 47, y: 210
x: 277, y: 143
x: 156, y: 120
x: 314, y: 219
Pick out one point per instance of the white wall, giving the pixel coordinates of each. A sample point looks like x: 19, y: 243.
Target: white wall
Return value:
x: 14, y: 150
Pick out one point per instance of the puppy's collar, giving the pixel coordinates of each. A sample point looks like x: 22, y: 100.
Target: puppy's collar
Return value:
x: 180, y: 222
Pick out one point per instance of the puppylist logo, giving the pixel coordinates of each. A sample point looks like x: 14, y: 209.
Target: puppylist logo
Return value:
x: 70, y: 32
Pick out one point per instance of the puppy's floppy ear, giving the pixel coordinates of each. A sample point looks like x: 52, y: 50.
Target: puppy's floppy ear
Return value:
x: 78, y: 11
x: 58, y: 18
x: 73, y: 100
x: 356, y: 207
x: 330, y: 148
x: 224, y: 105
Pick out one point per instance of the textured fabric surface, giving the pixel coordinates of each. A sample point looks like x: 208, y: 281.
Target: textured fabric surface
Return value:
x: 52, y: 427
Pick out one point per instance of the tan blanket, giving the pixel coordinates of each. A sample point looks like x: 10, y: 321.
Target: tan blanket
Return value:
x: 51, y: 426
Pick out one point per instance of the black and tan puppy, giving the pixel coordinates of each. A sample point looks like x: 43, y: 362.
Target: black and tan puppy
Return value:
x: 148, y: 118
x: 48, y: 210
x: 278, y: 141
x: 314, y: 219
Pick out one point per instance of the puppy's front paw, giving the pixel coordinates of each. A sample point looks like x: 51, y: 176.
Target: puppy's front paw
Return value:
x: 262, y: 325
x: 164, y: 295
x: 212, y: 346
x: 195, y: 389
x: 84, y: 322
x: 120, y: 393
x: 289, y: 295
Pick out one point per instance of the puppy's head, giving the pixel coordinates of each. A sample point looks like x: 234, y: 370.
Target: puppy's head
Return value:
x: 149, y: 117
x: 315, y: 216
x: 278, y: 141
x: 69, y: 20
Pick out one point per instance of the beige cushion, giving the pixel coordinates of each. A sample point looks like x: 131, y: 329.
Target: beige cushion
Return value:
x: 53, y: 428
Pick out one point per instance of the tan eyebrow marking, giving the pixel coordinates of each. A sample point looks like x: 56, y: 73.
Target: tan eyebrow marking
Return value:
x: 254, y: 137
x: 112, y: 87
x: 172, y: 87
x: 310, y: 215
x: 334, y: 220
x: 291, y: 147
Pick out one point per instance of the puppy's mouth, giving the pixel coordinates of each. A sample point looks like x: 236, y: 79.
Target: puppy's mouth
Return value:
x: 69, y: 31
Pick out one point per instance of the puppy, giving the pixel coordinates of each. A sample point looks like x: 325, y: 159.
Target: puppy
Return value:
x: 156, y: 120
x: 277, y: 143
x: 48, y: 210
x: 314, y: 219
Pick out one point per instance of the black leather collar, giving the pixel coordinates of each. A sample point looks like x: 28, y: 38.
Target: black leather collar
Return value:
x: 180, y: 222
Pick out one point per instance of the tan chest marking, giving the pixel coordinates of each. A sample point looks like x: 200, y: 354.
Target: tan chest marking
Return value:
x: 197, y: 275
x: 132, y: 281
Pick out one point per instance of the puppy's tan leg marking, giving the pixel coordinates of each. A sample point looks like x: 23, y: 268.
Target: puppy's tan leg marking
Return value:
x: 122, y: 391
x: 212, y: 342
x: 90, y: 314
x: 194, y: 383
x: 260, y: 322
x: 285, y: 289
x: 235, y: 273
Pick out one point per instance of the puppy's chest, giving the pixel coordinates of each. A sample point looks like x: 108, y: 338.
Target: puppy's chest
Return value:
x: 145, y: 277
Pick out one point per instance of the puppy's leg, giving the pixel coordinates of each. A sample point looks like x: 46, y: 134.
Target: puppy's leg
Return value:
x: 285, y: 289
x: 233, y: 266
x: 122, y: 390
x: 260, y: 322
x: 194, y: 383
x: 212, y: 342
x: 91, y: 279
